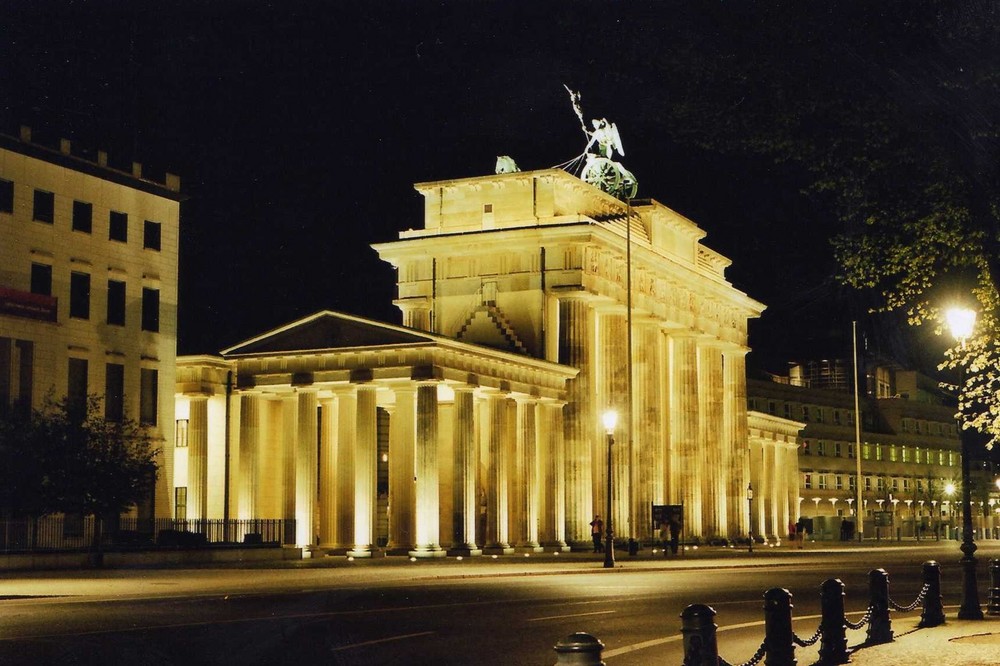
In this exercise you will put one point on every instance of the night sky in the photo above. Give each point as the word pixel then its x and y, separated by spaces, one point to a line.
pixel 298 131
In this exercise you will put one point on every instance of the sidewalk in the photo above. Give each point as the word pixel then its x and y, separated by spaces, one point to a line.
pixel 955 643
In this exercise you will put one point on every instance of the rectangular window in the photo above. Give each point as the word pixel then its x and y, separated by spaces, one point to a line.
pixel 940 457
pixel 916 455
pixel 906 485
pixel 868 483
pixel 820 415
pixel 76 386
pixel 878 452
pixel 951 459
pixel 808 482
pixel 866 451
pixel 83 216
pixel 806 448
pixel 850 418
pixel 821 448
pixel 150 309
pixel 906 454
pixel 6 196
pixel 44 208
pixel 892 453
pixel 772 407
pixel 895 485
pixel 881 483
pixel 852 482
pixel 151 235
pixel 920 485
pixel 805 412
pixel 836 416
pixel 114 392
pixel 181 433
pixel 148 380
pixel 41 279
pixel 116 303
pixel 118 226
pixel 837 450
pixel 180 503
pixel 822 481
pixel 79 295
pixel 788 411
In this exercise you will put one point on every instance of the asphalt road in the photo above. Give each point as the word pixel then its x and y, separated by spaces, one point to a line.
pixel 506 611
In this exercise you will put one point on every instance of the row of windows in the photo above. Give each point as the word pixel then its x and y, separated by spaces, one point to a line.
pixel 890 452
pixel 811 480
pixel 43 210
pixel 114 390
pixel 79 297
pixel 807 412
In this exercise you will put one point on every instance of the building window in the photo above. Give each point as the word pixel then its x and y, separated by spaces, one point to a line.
pixel 895 485
pixel 821 448
pixel 41 279
pixel 892 453
pixel 916 455
pixel 6 196
pixel 150 309
pixel 906 454
pixel 822 481
pixel 837 450
pixel 116 303
pixel 118 226
pixel 181 503
pixel 940 457
pixel 836 416
pixel 772 407
pixel 44 208
pixel 805 412
pixel 181 433
pixel 906 485
pixel 819 415
pixel 148 380
pixel 878 452
pixel 868 484
pixel 840 482
pixel 852 482
pixel 151 235
pixel 951 459
pixel 920 485
pixel 76 386
pixel 83 215
pixel 866 451
pixel 114 392
pixel 79 295
pixel 881 483
pixel 850 418
pixel 808 482
pixel 806 449
pixel 788 411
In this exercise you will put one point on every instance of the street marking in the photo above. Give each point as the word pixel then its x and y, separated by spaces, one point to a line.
pixel 381 640
pixel 559 617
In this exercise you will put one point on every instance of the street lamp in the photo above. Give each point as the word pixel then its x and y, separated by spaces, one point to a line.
pixel 961 322
pixel 610 419
pixel 750 502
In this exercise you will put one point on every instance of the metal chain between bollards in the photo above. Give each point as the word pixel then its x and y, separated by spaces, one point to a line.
pixel 919 600
pixel 753 661
pixel 806 643
pixel 865 619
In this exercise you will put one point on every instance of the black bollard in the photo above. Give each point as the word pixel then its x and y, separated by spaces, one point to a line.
pixel 994 605
pixel 698 628
pixel 579 649
pixel 833 626
pixel 933 612
pixel 779 647
pixel 879 626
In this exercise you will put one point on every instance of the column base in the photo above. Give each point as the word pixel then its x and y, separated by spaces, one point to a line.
pixel 582 546
pixel 359 552
pixel 399 550
pixel 529 548
pixel 558 546
pixel 427 552
pixel 464 551
pixel 498 549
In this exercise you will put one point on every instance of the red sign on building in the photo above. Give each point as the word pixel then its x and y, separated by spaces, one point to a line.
pixel 28 305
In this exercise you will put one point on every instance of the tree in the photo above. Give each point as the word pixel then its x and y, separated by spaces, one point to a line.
pixel 68 458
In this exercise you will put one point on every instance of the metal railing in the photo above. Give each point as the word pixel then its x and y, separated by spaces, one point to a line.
pixel 69 533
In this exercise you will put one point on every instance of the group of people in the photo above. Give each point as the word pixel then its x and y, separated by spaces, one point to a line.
pixel 669 535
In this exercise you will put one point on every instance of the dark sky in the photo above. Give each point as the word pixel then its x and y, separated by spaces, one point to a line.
pixel 298 131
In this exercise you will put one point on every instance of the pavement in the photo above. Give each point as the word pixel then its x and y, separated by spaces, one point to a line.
pixel 957 642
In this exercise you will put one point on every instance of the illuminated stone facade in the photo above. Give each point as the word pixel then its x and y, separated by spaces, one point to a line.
pixel 88 286
pixel 476 426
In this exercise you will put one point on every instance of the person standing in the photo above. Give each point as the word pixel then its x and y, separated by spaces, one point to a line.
pixel 596 529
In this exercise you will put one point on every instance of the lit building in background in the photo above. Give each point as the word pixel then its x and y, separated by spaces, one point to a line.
pixel 477 424
pixel 88 287
pixel 910 451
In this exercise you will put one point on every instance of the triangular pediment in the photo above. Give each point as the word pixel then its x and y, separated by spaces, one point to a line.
pixel 328 330
pixel 487 326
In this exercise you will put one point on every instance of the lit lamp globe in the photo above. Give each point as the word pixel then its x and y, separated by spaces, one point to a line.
pixel 610 420
pixel 960 321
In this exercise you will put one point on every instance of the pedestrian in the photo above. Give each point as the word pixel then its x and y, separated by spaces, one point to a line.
pixel 844 529
pixel 664 537
pixel 791 532
pixel 675 530
pixel 596 528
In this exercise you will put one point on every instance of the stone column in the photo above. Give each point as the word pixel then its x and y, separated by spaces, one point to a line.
pixel 402 502
pixel 328 475
pixel 464 502
pixel 553 478
pixel 198 458
pixel 771 488
pixel 249 470
pixel 366 429
pixel 684 431
pixel 305 468
pixel 735 435
pixel 346 446
pixel 527 449
pixel 289 432
pixel 494 415
pixel 648 440
pixel 577 324
pixel 787 457
pixel 710 435
pixel 612 393
pixel 426 472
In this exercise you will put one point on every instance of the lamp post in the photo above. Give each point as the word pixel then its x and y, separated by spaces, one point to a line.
pixel 610 419
pixel 750 503
pixel 961 322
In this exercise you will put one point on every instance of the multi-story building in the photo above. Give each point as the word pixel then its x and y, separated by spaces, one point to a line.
pixel 910 450
pixel 88 286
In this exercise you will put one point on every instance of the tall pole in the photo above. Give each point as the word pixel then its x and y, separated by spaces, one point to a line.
pixel 750 502
pixel 857 436
pixel 609 535
pixel 628 352
pixel 969 610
